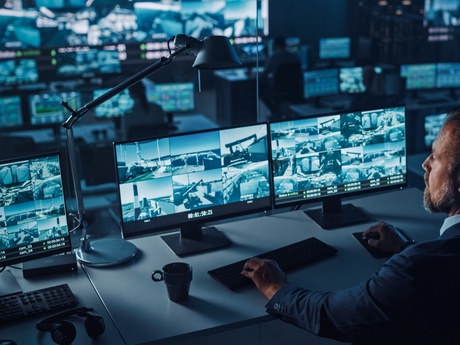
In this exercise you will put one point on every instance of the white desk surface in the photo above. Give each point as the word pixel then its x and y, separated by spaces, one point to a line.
pixel 24 331
pixel 143 313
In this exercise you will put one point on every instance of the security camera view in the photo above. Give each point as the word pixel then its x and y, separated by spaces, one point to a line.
pixel 338 154
pixel 18 72
pixel 351 80
pixel 32 208
pixel 433 124
pixel 194 175
pixel 52 23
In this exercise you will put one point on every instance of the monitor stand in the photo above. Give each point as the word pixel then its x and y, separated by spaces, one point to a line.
pixel 8 284
pixel 195 239
pixel 334 215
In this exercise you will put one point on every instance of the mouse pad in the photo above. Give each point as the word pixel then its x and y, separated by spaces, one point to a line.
pixel 375 252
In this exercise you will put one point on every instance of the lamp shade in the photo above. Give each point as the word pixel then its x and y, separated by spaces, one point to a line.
pixel 216 53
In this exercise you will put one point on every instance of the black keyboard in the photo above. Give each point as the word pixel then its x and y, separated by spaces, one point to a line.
pixel 288 257
pixel 24 304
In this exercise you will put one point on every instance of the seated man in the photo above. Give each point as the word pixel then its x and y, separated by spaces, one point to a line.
pixel 414 298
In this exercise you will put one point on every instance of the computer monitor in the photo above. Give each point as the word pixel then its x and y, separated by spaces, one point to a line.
pixel 323 82
pixel 46 108
pixel 329 157
pixel 117 106
pixel 184 180
pixel 18 72
pixel 432 126
pixel 33 221
pixel 448 75
pixel 335 48
pixel 172 97
pixel 10 112
pixel 87 62
pixel 419 76
pixel 351 80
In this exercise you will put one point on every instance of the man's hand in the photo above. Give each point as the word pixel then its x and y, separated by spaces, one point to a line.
pixel 266 275
pixel 389 240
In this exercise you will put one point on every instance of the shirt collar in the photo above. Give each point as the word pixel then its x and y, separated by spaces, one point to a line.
pixel 448 222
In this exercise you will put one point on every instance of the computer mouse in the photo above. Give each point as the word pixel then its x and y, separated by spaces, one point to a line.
pixel 371 235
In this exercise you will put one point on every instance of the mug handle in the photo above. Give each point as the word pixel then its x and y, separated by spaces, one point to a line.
pixel 156 279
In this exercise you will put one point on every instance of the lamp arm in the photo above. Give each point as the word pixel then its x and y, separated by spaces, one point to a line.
pixel 76 114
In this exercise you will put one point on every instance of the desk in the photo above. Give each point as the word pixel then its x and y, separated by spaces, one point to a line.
pixel 24 332
pixel 143 314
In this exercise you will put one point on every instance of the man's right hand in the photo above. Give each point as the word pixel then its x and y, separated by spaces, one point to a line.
pixel 266 275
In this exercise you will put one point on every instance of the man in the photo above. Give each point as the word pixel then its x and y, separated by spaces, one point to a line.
pixel 414 298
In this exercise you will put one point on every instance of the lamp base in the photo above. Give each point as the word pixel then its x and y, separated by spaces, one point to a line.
pixel 107 252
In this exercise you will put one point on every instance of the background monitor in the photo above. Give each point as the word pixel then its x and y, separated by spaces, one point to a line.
pixel 419 76
pixel 184 180
pixel 18 71
pixel 86 62
pixel 46 108
pixel 328 157
pixel 33 221
pixel 448 75
pixel 335 48
pixel 172 97
pixel 351 80
pixel 10 112
pixel 117 106
pixel 432 125
pixel 322 82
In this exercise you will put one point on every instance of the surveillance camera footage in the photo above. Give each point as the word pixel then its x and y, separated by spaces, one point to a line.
pixel 334 154
pixel 193 173
pixel 32 207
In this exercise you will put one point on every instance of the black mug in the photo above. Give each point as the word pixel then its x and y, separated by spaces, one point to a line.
pixel 177 277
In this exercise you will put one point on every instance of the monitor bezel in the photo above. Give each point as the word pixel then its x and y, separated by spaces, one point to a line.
pixel 68 241
pixel 333 201
pixel 238 209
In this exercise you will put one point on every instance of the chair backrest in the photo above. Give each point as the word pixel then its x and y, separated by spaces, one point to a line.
pixel 288 82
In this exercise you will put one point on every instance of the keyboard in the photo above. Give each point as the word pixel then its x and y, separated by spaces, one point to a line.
pixel 24 304
pixel 288 258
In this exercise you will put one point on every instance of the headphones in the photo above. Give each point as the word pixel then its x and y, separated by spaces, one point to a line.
pixel 63 332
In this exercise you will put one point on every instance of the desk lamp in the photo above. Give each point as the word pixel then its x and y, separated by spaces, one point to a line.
pixel 213 52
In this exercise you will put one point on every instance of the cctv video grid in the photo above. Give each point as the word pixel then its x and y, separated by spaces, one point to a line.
pixel 33 219
pixel 340 154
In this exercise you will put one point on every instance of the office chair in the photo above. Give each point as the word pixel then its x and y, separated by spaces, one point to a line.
pixel 286 89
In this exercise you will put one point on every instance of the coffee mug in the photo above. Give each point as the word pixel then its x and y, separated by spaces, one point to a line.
pixel 177 277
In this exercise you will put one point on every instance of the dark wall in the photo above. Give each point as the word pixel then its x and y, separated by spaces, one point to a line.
pixel 310 19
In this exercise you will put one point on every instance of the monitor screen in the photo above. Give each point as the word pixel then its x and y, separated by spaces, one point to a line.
pixel 441 13
pixel 448 75
pixel 419 76
pixel 33 221
pixel 46 108
pixel 322 82
pixel 86 62
pixel 117 106
pixel 172 97
pixel 327 157
pixel 432 125
pixel 10 112
pixel 335 48
pixel 351 80
pixel 18 71
pixel 184 180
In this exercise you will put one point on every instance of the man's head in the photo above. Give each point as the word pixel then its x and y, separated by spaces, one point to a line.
pixel 442 177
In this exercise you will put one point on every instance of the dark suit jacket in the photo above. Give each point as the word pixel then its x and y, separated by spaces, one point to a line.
pixel 413 299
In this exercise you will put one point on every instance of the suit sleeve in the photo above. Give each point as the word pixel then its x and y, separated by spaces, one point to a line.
pixel 351 314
